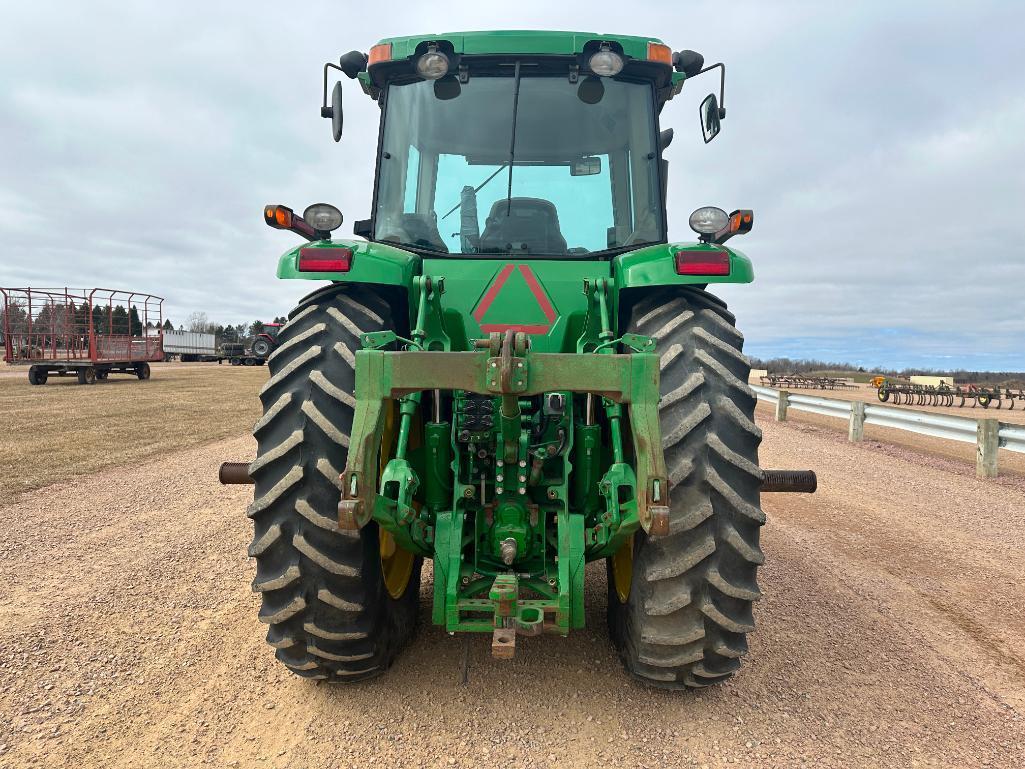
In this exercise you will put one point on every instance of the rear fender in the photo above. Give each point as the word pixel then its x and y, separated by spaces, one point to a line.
pixel 376 263
pixel 654 266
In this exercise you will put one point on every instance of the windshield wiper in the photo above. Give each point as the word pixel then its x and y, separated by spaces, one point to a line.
pixel 512 143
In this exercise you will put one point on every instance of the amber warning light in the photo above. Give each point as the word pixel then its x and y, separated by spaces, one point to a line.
pixel 284 218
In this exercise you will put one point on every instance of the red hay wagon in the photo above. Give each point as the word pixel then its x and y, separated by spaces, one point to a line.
pixel 84 332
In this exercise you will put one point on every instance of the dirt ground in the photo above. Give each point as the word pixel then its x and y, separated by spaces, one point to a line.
pixel 889 636
pixel 63 429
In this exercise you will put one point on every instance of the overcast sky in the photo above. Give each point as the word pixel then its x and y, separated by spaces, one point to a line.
pixel 880 144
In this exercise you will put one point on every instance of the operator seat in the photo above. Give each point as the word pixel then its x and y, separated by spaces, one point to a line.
pixel 528 224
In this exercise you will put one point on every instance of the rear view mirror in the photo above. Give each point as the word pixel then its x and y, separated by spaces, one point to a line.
pixel 585 167
pixel 336 111
pixel 447 88
pixel 591 90
pixel 709 114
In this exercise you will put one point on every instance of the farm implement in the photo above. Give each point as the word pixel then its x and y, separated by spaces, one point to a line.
pixel 801 382
pixel 513 373
pixel 944 395
pixel 86 333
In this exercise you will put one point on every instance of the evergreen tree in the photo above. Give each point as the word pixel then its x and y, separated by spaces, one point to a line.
pixel 82 319
pixel 101 324
pixel 119 320
pixel 134 322
pixel 168 326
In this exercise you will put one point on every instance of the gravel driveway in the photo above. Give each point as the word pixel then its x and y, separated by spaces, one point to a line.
pixel 890 635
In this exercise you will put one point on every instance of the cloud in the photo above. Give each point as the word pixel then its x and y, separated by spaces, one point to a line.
pixel 878 143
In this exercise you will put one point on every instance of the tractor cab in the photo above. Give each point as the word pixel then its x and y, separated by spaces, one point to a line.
pixel 539 144
pixel 553 154
pixel 510 163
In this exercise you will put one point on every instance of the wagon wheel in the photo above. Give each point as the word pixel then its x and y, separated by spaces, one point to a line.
pixel 142 371
pixel 36 376
pixel 87 375
pixel 261 348
pixel 102 374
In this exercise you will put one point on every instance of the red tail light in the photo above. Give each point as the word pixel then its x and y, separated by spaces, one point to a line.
pixel 325 259
pixel 702 263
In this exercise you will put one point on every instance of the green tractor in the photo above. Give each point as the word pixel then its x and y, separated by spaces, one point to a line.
pixel 512 373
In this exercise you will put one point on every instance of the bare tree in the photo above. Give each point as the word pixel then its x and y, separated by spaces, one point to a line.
pixel 197 321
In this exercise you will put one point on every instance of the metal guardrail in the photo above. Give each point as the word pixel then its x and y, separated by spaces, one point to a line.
pixel 815 404
pixel 1012 438
pixel 935 425
pixel 987 434
pixel 766 393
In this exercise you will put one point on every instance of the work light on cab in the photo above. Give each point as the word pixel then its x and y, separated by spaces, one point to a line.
pixel 708 220
pixel 605 62
pixel 433 64
pixel 323 217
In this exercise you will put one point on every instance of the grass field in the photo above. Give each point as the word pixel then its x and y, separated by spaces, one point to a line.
pixel 63 429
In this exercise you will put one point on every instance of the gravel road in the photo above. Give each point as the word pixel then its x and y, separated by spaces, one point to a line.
pixel 889 635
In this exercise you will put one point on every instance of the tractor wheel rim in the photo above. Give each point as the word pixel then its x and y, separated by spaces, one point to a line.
pixel 396 563
pixel 623 569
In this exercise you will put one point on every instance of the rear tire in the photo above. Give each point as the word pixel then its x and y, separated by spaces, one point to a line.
pixel 324 596
pixel 689 608
pixel 36 376
pixel 261 348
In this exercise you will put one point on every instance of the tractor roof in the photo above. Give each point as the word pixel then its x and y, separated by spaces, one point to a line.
pixel 514 41
pixel 396 54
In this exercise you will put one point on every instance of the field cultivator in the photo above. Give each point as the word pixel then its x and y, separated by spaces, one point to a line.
pixel 801 382
pixel 960 396
pixel 88 333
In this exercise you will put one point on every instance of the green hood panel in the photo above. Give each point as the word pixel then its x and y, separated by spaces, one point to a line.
pixel 542 297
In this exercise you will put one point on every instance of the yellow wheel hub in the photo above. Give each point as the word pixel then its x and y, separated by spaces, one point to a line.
pixel 623 569
pixel 396 563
